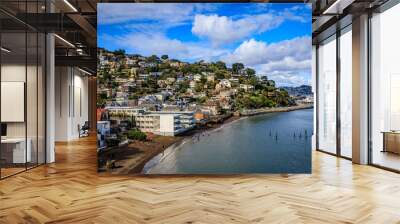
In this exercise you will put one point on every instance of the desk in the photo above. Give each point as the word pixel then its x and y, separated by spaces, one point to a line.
pixel 391 141
pixel 13 150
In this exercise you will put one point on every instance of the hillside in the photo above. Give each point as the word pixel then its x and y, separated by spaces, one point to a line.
pixel 161 82
pixel 303 90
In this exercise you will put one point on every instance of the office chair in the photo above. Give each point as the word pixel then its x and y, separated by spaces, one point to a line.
pixel 84 130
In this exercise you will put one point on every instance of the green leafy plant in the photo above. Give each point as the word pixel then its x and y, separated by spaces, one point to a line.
pixel 136 135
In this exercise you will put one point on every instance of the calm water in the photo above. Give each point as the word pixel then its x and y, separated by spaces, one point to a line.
pixel 259 144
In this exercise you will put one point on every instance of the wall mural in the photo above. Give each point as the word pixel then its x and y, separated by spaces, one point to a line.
pixel 194 88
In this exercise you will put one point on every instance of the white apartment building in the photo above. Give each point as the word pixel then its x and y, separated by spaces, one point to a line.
pixel 148 122
pixel 165 123
pixel 128 111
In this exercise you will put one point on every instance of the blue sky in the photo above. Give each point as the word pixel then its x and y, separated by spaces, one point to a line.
pixel 272 38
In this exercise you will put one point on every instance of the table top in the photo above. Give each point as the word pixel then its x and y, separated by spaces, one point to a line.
pixel 13 140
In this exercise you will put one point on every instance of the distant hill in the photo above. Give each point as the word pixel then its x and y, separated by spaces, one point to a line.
pixel 303 90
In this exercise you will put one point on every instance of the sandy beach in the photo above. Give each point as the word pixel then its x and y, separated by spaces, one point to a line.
pixel 132 158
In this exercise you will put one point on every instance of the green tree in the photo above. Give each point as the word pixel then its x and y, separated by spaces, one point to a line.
pixel 164 57
pixel 236 67
pixel 151 83
pixel 203 79
pixel 103 96
pixel 164 67
pixel 153 59
pixel 220 74
pixel 136 135
pixel 202 99
pixel 100 101
pixel 220 65
pixel 210 84
pixel 183 86
pixel 253 80
pixel 119 52
pixel 199 87
pixel 250 72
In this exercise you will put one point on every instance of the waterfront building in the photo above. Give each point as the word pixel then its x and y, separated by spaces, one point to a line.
pixel 127 111
pixel 211 108
pixel 199 116
pixel 166 123
pixel 147 122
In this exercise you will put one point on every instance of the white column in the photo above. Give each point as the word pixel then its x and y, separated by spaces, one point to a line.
pixel 62 103
pixel 360 90
pixel 314 89
pixel 50 101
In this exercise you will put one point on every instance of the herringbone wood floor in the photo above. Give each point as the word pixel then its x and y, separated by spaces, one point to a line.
pixel 70 191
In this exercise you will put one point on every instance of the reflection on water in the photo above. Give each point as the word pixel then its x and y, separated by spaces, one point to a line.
pixel 270 143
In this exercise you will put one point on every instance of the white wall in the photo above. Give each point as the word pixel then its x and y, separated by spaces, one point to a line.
pixel 314 89
pixel 33 126
pixel 62 81
pixel 12 73
pixel 71 102
pixel 166 123
pixel 346 75
pixel 327 96
pixel 81 104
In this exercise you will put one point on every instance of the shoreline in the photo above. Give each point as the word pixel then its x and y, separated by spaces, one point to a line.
pixel 136 155
pixel 140 153
pixel 275 109
pixel 180 140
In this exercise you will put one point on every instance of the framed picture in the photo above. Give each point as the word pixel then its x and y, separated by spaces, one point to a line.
pixel 196 88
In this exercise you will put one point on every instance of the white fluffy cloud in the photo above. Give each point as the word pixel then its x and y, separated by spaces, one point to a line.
pixel 289 78
pixel 252 52
pixel 222 29
pixel 114 13
pixel 158 44
pixel 288 71
pixel 288 62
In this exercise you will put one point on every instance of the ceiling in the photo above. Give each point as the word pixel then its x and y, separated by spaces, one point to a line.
pixel 330 15
pixel 75 22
